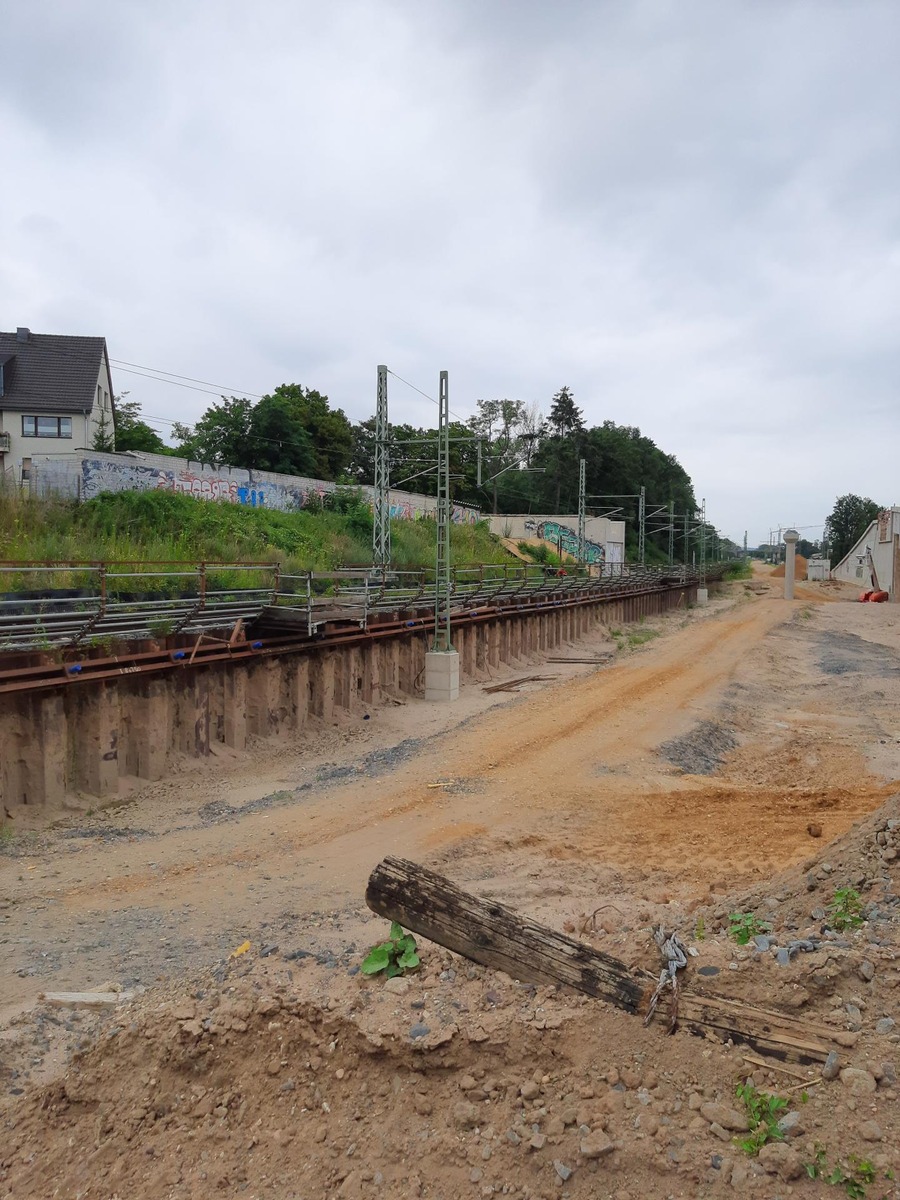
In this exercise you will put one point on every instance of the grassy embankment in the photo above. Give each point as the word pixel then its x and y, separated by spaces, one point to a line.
pixel 145 527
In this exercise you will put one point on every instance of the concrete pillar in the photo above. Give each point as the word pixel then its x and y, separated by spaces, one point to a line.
pixel 442 675
pixel 791 537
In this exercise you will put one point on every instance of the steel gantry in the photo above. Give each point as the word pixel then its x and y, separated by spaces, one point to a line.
pixel 381 530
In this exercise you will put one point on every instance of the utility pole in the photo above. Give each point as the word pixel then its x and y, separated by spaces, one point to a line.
pixel 442 562
pixel 703 543
pixel 581 510
pixel 381 530
pixel 642 531
pixel 687 538
pixel 671 533
pixel 745 545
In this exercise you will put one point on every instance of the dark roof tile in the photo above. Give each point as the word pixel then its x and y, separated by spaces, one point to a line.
pixel 53 373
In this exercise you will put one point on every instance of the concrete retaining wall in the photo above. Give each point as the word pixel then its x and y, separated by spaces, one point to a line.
pixel 94 739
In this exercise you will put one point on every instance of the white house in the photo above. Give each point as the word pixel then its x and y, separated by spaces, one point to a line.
pixel 55 393
pixel 879 547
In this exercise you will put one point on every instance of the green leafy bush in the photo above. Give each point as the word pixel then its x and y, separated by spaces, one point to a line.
pixel 744 926
pixel 395 956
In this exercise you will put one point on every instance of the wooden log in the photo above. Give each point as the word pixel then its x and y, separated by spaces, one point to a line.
pixel 489 933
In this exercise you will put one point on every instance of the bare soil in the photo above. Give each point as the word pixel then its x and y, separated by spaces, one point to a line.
pixel 746 759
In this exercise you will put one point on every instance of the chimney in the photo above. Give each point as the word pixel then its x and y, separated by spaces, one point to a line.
pixel 23 334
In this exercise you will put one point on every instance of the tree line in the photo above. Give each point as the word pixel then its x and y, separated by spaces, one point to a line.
pixel 529 463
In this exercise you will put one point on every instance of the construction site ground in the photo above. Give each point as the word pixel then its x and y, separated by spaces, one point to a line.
pixel 742 757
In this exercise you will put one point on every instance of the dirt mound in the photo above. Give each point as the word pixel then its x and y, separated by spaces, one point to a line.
pixel 800 566
pixel 288 1078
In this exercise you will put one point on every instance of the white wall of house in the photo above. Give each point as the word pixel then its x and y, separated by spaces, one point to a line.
pixel 16 462
pixel 878 539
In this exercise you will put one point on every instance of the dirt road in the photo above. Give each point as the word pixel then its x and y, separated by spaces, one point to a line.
pixel 609 770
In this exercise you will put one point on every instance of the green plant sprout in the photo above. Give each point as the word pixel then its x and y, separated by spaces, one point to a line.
pixel 845 909
pixel 743 926
pixel 764 1111
pixel 395 956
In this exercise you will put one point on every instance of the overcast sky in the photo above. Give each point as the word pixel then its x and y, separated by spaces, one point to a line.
pixel 687 211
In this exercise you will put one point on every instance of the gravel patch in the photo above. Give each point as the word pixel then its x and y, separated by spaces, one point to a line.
pixel 702 751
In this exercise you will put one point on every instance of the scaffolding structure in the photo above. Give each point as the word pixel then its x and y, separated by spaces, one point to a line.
pixel 381 528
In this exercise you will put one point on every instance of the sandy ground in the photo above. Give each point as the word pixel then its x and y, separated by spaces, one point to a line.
pixel 686 772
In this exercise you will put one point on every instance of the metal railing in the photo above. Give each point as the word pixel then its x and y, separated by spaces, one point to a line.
pixel 121 602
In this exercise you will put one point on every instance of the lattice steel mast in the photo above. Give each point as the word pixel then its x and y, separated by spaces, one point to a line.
pixel 442 561
pixel 381 532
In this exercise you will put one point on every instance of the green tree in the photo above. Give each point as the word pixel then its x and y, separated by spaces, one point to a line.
pixel 503 427
pixel 847 522
pixel 220 436
pixel 277 439
pixel 133 433
pixel 329 431
pixel 104 435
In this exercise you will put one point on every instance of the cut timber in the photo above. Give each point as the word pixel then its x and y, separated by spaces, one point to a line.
pixel 493 935
pixel 512 684
pixel 86 999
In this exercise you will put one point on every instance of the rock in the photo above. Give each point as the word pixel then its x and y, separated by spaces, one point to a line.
pixel 419 1031
pixel 398 984
pixel 866 971
pixel 814 829
pixel 847 1037
pixel 274 1066
pixel 889 854
pixel 782 956
pixel 717 1131
pixel 538 1142
pixel 762 942
pixel 475 1175
pixel 529 1090
pixel 777 1158
pixel 649 1124
pixel 739 1176
pixel 871 1131
pixel 464 1115
pixel 885 1025
pixel 790 1125
pixel 854 1016
pixel 596 1145
pixel 562 1170
pixel 467 1083
pixel 859 1083
pixel 728 1118
pixel 555 1127
pixel 832 1067
pixel 888 1074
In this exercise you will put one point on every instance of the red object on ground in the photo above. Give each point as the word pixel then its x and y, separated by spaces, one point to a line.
pixel 879 597
pixel 864 596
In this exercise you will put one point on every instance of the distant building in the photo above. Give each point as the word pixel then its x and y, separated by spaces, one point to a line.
pixel 55 394
pixel 874 562
pixel 818 569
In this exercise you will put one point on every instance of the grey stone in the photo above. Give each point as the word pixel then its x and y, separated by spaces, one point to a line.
pixel 859 1083
pixel 596 1145
pixel 777 1158
pixel 866 971
pixel 708 971
pixel 783 957
pixel 529 1090
pixel 728 1118
pixel 854 1016
pixel 885 1025
pixel 562 1170
pixel 717 1131
pixel 419 1031
pixel 832 1067
pixel 475 1175
pixel 538 1141
pixel 762 942
pixel 871 1131
pixel 512 1137
pixel 789 1126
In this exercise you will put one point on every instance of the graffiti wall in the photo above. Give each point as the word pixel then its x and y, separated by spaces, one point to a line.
pixel 86 476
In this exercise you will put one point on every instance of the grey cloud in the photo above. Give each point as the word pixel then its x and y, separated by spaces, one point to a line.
pixel 689 213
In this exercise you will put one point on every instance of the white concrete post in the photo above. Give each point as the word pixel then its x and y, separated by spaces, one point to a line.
pixel 791 537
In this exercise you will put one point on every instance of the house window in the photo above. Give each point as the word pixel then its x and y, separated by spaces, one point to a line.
pixel 47 427
pixel 99 394
pixel 26 470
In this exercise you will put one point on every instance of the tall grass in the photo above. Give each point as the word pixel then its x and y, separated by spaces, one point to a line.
pixel 148 527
